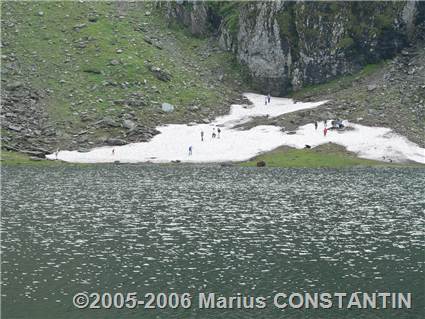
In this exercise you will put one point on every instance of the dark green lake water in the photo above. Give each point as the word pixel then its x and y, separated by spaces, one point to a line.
pixel 139 228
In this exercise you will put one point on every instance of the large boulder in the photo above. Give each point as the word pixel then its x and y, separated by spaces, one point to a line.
pixel 107 121
pixel 160 74
pixel 166 107
pixel 261 164
pixel 128 124
pixel 115 142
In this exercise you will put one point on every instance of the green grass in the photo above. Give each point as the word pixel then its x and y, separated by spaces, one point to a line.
pixel 9 158
pixel 337 84
pixel 15 158
pixel 329 156
pixel 47 53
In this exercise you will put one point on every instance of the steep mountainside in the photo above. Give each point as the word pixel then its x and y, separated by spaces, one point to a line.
pixel 82 74
pixel 288 45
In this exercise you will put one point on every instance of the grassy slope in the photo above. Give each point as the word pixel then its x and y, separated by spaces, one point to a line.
pixel 328 155
pixel 15 158
pixel 337 84
pixel 46 48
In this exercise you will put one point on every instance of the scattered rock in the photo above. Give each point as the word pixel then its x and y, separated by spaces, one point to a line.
pixel 119 102
pixel 160 74
pixel 193 108
pixel 93 18
pixel 114 62
pixel 78 27
pixel 128 124
pixel 166 107
pixel 148 40
pixel 261 164
pixel 14 86
pixel 371 87
pixel 110 122
pixel 92 70
pixel 226 164
pixel 115 142
pixel 15 128
pixel 33 153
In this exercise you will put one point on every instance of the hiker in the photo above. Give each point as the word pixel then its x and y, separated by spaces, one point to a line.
pixel 268 98
pixel 265 100
pixel 325 130
pixel 218 132
pixel 56 153
pixel 190 150
pixel 325 122
pixel 113 151
pixel 213 133
pixel 315 125
pixel 202 136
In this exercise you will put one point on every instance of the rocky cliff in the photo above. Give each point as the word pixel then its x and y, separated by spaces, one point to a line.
pixel 289 45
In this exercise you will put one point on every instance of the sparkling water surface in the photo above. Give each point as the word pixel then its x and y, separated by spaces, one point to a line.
pixel 146 228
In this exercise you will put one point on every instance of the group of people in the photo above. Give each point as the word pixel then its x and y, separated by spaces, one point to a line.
pixel 325 126
pixel 214 134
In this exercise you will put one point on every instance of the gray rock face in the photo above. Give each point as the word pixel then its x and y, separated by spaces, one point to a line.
pixel 196 19
pixel 287 45
pixel 290 45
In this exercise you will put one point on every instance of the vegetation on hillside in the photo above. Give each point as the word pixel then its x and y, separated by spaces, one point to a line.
pixel 109 59
pixel 327 155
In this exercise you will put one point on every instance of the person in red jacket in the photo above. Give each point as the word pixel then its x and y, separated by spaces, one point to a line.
pixel 325 130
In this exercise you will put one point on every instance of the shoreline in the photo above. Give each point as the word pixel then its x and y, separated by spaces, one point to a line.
pixel 349 160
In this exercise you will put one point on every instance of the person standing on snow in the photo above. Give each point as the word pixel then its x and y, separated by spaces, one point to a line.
pixel 213 133
pixel 265 100
pixel 218 132
pixel 202 136
pixel 315 125
pixel 190 150
pixel 268 98
pixel 325 131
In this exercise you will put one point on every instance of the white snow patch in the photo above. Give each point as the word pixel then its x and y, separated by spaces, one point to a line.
pixel 237 145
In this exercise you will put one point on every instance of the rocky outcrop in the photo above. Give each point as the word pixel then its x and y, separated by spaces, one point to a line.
pixel 196 18
pixel 288 45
